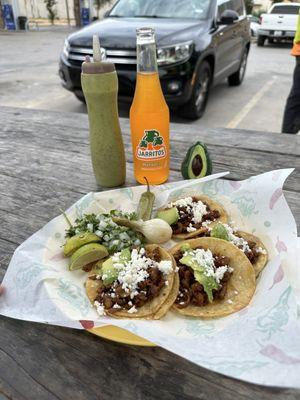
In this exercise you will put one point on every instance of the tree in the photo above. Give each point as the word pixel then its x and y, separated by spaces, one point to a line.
pixel 99 4
pixel 249 6
pixel 50 4
pixel 76 4
pixel 1 18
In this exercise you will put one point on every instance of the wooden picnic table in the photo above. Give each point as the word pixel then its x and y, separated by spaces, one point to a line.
pixel 45 165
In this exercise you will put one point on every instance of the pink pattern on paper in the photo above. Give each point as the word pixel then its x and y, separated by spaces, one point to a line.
pixel 58 257
pixel 280 245
pixel 278 355
pixel 278 276
pixel 275 197
pixel 235 184
pixel 276 175
pixel 86 324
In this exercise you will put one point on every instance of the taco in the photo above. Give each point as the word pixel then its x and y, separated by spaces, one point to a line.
pixel 251 245
pixel 138 283
pixel 190 215
pixel 216 279
pixel 257 253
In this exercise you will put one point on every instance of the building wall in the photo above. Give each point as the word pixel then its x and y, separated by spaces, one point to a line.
pixel 262 4
pixel 37 8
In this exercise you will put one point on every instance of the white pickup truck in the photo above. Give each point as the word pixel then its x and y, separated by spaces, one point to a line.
pixel 279 23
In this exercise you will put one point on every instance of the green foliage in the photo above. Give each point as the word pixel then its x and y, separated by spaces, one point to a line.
pixel 258 13
pixel 50 4
pixel 249 6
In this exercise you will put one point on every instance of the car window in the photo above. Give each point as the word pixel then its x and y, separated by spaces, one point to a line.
pixel 195 9
pixel 285 10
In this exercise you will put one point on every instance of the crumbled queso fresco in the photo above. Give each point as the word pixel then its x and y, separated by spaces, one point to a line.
pixel 240 242
pixel 237 241
pixel 131 273
pixel 206 260
pixel 260 250
pixel 197 209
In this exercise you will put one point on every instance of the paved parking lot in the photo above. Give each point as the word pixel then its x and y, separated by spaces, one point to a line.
pixel 28 78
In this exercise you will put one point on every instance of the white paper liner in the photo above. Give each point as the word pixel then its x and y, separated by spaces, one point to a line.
pixel 259 344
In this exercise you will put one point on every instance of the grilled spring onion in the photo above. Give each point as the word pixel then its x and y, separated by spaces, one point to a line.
pixel 154 230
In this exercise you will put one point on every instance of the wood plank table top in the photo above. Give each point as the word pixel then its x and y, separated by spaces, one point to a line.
pixel 45 165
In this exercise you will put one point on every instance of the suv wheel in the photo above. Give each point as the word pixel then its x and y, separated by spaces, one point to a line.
pixel 195 107
pixel 260 40
pixel 237 78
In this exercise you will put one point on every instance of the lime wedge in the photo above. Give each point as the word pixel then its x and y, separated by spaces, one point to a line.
pixel 86 254
pixel 75 242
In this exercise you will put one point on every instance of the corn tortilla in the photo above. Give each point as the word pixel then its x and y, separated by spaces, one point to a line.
pixel 154 309
pixel 241 285
pixel 262 259
pixel 213 205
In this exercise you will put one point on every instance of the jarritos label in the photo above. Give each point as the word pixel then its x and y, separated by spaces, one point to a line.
pixel 151 146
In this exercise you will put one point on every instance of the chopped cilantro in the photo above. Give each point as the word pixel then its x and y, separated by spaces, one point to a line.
pixel 113 237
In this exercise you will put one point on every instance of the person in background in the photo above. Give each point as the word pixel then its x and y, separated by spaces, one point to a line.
pixel 291 118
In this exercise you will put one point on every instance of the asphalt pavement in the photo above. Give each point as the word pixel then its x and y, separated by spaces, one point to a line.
pixel 29 78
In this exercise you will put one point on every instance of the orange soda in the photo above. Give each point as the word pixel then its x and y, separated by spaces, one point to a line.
pixel 149 116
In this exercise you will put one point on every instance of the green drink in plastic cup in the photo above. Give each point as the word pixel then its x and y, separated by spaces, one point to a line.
pixel 100 87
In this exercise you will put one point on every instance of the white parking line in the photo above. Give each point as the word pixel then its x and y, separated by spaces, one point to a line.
pixel 237 119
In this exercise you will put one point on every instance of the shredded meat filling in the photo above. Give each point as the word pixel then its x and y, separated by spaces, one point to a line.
pixel 88 267
pixel 191 291
pixel 114 297
pixel 253 253
pixel 185 219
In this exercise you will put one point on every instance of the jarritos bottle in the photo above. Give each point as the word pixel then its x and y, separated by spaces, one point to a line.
pixel 149 116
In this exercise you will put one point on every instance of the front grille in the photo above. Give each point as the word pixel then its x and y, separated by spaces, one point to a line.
pixel 121 56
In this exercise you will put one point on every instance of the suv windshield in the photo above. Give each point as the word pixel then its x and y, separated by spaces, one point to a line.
pixel 195 9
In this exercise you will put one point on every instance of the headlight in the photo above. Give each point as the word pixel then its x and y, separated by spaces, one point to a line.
pixel 66 48
pixel 173 54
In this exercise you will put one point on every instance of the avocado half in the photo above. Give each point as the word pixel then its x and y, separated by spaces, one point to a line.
pixel 197 162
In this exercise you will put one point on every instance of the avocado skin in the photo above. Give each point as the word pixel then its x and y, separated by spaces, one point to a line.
pixel 189 159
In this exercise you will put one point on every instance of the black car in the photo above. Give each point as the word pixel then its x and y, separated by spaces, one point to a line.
pixel 199 42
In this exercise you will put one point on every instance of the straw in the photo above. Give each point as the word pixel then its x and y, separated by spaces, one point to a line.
pixel 96 49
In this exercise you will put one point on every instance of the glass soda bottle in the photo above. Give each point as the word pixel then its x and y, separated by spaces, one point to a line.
pixel 149 116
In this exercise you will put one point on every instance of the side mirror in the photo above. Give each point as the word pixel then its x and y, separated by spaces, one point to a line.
pixel 228 17
pixel 106 14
